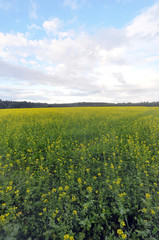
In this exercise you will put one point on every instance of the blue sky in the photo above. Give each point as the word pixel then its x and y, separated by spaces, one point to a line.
pixel 79 50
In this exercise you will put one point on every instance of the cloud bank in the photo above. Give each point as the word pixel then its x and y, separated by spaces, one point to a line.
pixel 112 65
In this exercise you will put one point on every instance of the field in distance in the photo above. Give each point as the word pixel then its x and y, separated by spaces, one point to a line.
pixel 79 173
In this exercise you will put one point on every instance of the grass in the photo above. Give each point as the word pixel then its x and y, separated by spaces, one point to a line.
pixel 79 173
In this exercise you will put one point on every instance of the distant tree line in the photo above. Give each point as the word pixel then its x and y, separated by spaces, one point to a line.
pixel 25 104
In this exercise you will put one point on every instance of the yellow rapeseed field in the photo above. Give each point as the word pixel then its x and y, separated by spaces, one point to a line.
pixel 79 173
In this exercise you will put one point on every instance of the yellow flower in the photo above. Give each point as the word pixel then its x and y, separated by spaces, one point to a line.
pixel 40 214
pixel 120 231
pixel 89 189
pixel 152 211
pixel 18 214
pixel 9 189
pixel 79 180
pixel 66 237
pixel 144 210
pixel 74 198
pixel 2 217
pixel 71 238
pixel 123 223
pixel 118 181
pixel 124 236
pixel 148 196
pixel 74 212
pixel 44 209
pixel 43 195
pixel 66 188
pixel 53 190
pixel 122 194
pixel 112 166
pixel 60 188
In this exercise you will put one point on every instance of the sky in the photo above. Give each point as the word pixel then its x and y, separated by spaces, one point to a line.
pixel 63 51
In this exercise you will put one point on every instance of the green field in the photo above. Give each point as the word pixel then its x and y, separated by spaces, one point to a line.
pixel 79 173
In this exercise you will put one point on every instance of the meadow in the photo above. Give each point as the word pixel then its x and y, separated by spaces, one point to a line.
pixel 79 173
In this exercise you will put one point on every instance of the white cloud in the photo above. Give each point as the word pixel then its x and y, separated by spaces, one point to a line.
pixel 24 74
pixel 75 4
pixel 146 25
pixel 34 26
pixel 52 26
pixel 111 65
pixel 33 9
pixel 143 36
pixel 71 3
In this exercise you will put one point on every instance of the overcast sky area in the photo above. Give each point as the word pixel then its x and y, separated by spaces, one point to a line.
pixel 62 51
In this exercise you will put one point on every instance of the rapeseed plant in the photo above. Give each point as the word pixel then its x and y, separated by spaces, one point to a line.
pixel 79 173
